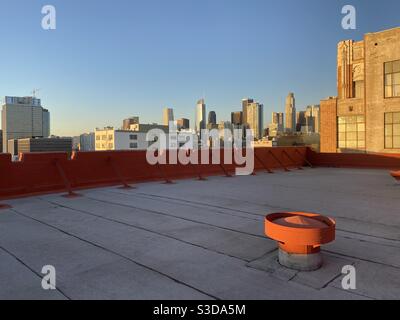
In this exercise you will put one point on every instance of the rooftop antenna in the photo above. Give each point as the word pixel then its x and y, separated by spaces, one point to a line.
pixel 34 92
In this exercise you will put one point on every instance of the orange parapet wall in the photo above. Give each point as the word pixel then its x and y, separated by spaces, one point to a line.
pixel 354 160
pixel 40 173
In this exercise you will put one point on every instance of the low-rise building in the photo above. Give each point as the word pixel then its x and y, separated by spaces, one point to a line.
pixel 16 146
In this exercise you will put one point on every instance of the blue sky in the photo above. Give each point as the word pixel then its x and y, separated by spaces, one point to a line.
pixel 109 60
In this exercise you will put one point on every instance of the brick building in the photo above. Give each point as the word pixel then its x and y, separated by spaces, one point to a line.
pixel 365 116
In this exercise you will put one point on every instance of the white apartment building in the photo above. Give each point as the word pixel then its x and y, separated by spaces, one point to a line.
pixel 24 117
pixel 110 139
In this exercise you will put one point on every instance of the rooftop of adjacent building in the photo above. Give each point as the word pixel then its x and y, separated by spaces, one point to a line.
pixel 202 240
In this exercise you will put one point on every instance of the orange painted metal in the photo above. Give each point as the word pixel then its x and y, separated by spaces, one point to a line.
pixel 300 232
pixel 389 161
pixel 396 175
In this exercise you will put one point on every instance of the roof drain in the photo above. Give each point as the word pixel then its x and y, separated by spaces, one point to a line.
pixel 300 236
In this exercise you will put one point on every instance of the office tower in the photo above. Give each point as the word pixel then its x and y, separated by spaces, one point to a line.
pixel 212 118
pixel 316 111
pixel 312 119
pixel 237 118
pixel 183 124
pixel 290 111
pixel 301 120
pixel 87 142
pixel 255 119
pixel 278 121
pixel 200 116
pixel 128 122
pixel 245 103
pixel 24 117
pixel 168 116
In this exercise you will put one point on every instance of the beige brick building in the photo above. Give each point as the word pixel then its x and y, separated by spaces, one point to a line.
pixel 365 116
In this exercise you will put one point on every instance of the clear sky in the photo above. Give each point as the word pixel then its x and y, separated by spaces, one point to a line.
pixel 108 60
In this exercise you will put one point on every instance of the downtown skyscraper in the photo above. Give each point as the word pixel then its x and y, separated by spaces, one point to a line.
pixel 168 116
pixel 200 116
pixel 290 113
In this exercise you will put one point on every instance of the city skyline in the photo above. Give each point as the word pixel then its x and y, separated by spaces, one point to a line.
pixel 173 66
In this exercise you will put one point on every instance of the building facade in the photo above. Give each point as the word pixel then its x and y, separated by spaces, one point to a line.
pixel 237 118
pixel 312 119
pixel 255 119
pixel 290 112
pixel 128 122
pixel 200 122
pixel 168 116
pixel 212 118
pixel 44 145
pixel 87 142
pixel 183 124
pixel 24 117
pixel 245 103
pixel 365 115
pixel 109 139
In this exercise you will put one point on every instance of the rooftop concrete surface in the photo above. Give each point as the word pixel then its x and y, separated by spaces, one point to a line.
pixel 202 239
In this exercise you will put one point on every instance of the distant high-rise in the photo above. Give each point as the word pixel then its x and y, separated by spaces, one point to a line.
pixel 200 116
pixel 128 122
pixel 290 111
pixel 300 120
pixel 87 142
pixel 245 103
pixel 237 118
pixel 278 120
pixel 255 119
pixel 168 116
pixel 212 118
pixel 24 117
pixel 312 119
pixel 183 124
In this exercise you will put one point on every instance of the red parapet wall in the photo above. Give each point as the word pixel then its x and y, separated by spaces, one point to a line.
pixel 354 160
pixel 41 173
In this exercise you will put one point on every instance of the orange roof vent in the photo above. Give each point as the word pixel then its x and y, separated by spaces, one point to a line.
pixel 300 236
pixel 396 175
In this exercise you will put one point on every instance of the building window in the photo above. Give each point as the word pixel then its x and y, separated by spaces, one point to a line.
pixel 97 138
pixel 392 79
pixel 133 145
pixel 351 132
pixel 358 89
pixel 392 130
pixel 133 137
